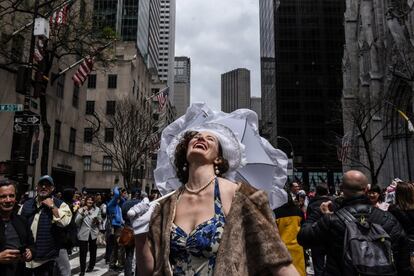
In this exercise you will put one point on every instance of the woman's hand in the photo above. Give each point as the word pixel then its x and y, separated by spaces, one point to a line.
pixel 141 224
pixel 138 209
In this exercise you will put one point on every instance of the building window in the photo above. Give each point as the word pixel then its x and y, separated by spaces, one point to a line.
pixel 60 86
pixel 87 160
pixel 17 47
pixel 109 135
pixel 90 107
pixel 72 140
pixel 56 141
pixel 92 81
pixel 110 108
pixel 75 98
pixel 112 79
pixel 87 135
pixel 107 164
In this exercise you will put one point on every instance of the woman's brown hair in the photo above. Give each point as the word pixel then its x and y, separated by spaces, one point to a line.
pixel 180 160
pixel 404 195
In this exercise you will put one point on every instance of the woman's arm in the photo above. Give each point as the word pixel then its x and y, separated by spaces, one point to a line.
pixel 144 258
pixel 285 270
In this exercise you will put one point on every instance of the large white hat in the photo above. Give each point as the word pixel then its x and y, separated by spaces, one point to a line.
pixel 233 150
pixel 265 169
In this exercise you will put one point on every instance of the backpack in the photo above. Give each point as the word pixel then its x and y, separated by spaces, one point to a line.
pixel 367 247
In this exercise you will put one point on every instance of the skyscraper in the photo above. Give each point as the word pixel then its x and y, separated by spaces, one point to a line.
pixel 120 16
pixel 256 106
pixel 267 69
pixel 134 20
pixel 309 41
pixel 148 37
pixel 167 44
pixel 235 90
pixel 182 84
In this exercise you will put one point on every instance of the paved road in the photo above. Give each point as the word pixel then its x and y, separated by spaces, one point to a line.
pixel 100 268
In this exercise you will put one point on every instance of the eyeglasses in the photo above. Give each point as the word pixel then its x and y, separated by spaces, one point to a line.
pixel 44 183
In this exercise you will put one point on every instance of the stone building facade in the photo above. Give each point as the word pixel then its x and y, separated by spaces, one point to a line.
pixel 128 78
pixel 378 75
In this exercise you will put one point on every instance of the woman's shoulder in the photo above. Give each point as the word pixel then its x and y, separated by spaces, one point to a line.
pixel 243 189
pixel 227 186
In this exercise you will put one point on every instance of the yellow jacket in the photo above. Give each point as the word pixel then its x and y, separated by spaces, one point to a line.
pixel 288 220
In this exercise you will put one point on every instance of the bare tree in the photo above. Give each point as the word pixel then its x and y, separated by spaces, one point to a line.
pixel 131 137
pixel 71 40
pixel 374 122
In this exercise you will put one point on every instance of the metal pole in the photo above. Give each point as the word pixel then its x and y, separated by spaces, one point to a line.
pixel 47 14
pixel 31 55
pixel 21 146
pixel 292 153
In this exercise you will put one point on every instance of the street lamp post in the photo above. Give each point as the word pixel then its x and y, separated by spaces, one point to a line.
pixel 292 153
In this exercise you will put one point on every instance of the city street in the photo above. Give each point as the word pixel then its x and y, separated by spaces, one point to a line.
pixel 100 268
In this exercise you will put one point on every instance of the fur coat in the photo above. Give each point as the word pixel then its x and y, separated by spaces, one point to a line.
pixel 250 243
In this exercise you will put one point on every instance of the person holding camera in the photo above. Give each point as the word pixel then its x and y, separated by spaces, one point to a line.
pixel 16 238
pixel 88 219
pixel 47 216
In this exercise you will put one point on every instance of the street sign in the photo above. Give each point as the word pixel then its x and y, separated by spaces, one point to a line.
pixel 11 107
pixel 18 128
pixel 27 119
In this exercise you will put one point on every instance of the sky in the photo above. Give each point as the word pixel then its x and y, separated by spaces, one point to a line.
pixel 218 36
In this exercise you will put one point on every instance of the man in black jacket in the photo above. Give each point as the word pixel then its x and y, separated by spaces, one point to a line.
pixel 313 213
pixel 329 230
pixel 16 238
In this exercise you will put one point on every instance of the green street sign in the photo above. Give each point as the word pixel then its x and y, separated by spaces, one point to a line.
pixel 11 107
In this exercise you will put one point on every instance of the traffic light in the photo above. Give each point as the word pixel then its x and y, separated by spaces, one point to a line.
pixel 23 77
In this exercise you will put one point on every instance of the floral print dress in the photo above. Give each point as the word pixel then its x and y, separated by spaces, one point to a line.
pixel 195 253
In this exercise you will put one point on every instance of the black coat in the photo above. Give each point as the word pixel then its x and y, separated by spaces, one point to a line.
pixel 24 232
pixel 329 231
pixel 406 219
pixel 313 212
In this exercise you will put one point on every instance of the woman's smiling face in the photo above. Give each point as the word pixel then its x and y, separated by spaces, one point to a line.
pixel 204 144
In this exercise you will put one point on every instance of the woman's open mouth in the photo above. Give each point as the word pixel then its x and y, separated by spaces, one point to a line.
pixel 200 146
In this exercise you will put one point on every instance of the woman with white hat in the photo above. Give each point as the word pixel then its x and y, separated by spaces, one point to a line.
pixel 210 225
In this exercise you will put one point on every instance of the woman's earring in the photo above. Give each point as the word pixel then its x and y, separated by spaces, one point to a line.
pixel 216 170
pixel 185 167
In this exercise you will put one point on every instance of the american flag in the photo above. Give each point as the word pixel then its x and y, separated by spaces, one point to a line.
pixel 83 71
pixel 59 17
pixel 344 148
pixel 162 97
pixel 154 142
pixel 39 50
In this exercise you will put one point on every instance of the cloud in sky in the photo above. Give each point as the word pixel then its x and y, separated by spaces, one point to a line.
pixel 218 36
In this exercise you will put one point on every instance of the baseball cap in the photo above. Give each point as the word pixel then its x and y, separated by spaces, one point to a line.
pixel 46 178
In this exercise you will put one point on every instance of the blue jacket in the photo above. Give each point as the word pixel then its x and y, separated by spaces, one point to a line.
pixel 114 209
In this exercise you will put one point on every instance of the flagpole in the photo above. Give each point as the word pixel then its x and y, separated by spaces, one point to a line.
pixel 47 14
pixel 156 94
pixel 55 76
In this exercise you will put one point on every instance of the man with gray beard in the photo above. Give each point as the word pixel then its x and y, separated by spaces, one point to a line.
pixel 47 216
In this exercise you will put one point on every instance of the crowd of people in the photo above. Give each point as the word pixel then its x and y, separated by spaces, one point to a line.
pixel 38 235
pixel 316 229
pixel 211 225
